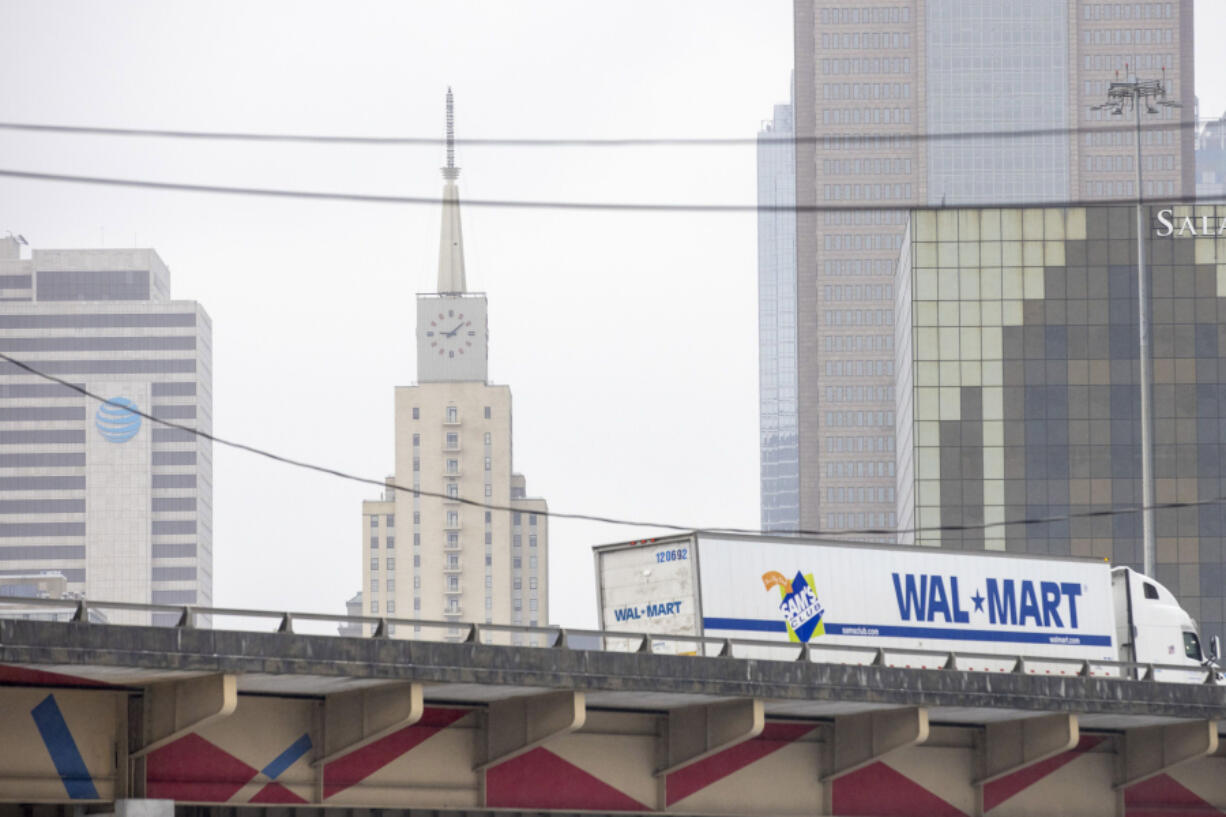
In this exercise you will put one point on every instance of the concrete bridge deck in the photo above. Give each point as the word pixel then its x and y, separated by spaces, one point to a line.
pixel 96 713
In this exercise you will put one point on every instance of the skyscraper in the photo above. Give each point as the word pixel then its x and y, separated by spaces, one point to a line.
pixel 1018 356
pixel 881 87
pixel 122 507
pixel 442 559
pixel 777 323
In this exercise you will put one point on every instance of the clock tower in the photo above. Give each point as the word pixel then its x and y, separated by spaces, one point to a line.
pixel 452 332
pixel 455 537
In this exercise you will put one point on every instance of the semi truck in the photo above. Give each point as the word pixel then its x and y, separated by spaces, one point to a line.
pixel 900 605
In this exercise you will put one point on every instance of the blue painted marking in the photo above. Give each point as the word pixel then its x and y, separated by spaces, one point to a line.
pixel 757 625
pixel 287 758
pixel 63 750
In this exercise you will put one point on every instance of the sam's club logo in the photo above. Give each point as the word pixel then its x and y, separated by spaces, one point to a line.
pixel 117 420
pixel 798 603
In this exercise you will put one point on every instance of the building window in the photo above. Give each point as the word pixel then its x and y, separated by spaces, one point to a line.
pixel 374 521
pixel 389 520
pixel 453 466
pixel 531 519
pixel 416 517
pixel 391 605
pixel 453 561
pixel 489 538
pixel 391 585
pixel 532 582
pixel 489 603
pixel 487 412
pixel 417 608
pixel 531 540
pixel 487 463
pixel 489 489
pixel 517 583
pixel 416 413
pixel 489 517
pixel 374 605
pixel 453 584
pixel 416 464
pixel 516 518
pixel 453 490
pixel 489 582
pixel 391 562
pixel 453 414
pixel 517 563
pixel 453 540
pixel 374 562
pixel 417 540
pixel 489 560
pixel 488 438
pixel 416 561
pixel 453 519
pixel 417 582
pixel 416 439
pixel 517 540
pixel 532 605
pixel 517 604
pixel 374 543
pixel 532 562
pixel 453 439
pixel 391 542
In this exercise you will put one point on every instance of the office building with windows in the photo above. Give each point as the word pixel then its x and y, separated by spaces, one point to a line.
pixel 910 103
pixel 117 504
pixel 441 555
pixel 777 323
pixel 1211 160
pixel 1018 358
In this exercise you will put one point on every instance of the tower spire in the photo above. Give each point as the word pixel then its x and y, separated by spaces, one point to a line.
pixel 450 171
pixel 451 239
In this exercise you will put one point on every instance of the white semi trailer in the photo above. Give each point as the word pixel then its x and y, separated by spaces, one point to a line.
pixel 918 606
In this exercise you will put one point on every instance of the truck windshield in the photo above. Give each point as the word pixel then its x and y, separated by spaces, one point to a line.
pixel 1191 646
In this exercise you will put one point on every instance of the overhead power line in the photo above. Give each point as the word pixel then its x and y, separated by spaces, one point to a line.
pixel 548 142
pixel 371 198
pixel 585 517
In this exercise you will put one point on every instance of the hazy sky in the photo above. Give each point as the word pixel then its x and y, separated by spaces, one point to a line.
pixel 628 340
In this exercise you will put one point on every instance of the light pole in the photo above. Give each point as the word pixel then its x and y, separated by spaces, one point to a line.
pixel 1132 95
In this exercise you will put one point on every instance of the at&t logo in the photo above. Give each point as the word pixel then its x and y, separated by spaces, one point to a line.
pixel 117 420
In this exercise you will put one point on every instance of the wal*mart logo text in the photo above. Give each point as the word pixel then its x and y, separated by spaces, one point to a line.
pixel 798 603
pixel 116 420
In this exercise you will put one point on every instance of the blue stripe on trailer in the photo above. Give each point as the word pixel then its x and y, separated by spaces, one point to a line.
pixel 758 625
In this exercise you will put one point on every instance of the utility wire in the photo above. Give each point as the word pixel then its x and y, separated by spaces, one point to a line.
pixel 234 136
pixel 584 517
pixel 370 198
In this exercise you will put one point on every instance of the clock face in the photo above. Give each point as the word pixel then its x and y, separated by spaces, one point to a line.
pixel 450 334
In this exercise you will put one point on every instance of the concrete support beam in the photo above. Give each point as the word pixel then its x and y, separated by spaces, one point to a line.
pixel 176 708
pixel 696 732
pixel 353 719
pixel 1010 746
pixel 861 739
pixel 1152 750
pixel 144 808
pixel 518 725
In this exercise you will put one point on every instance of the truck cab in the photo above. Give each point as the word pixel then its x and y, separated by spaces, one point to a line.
pixel 1152 628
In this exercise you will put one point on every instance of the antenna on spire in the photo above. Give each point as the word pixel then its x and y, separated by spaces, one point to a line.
pixel 450 172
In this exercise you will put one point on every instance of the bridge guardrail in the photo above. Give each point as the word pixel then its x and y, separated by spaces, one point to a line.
pixel 190 616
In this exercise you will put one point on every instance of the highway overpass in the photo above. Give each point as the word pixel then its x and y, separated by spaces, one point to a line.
pixel 222 721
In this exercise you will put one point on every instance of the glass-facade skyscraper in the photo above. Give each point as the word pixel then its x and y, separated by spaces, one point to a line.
pixel 1018 354
pixel 873 80
pixel 777 323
